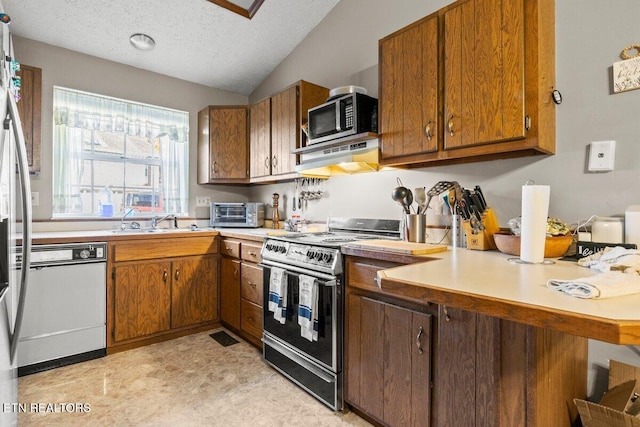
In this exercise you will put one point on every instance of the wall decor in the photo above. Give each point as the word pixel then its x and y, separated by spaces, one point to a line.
pixel 626 73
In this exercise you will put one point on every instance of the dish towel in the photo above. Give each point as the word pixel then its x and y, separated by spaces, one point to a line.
pixel 308 307
pixel 604 285
pixel 278 294
pixel 613 259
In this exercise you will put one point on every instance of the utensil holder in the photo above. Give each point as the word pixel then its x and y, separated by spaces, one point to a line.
pixel 482 240
pixel 415 228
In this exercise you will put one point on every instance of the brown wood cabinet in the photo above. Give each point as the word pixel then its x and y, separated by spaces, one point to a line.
pixel 389 362
pixel 496 73
pixel 241 288
pixel 223 145
pixel 276 130
pixel 160 288
pixel 482 370
pixel 409 70
pixel 30 107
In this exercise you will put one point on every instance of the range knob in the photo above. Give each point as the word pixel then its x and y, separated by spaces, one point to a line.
pixel 282 249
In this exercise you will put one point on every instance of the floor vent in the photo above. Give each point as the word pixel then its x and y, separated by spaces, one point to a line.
pixel 223 338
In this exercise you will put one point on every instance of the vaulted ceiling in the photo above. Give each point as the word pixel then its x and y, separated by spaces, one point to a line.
pixel 195 40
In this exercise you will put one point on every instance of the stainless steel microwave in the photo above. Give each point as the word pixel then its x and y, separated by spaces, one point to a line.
pixel 237 215
pixel 346 115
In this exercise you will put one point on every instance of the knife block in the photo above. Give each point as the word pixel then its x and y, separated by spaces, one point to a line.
pixel 482 240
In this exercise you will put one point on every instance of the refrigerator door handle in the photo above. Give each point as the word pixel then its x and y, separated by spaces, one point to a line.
pixel 25 189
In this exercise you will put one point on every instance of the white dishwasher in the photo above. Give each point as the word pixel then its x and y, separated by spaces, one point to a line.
pixel 65 306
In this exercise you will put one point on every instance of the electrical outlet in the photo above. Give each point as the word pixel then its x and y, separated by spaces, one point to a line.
pixel 601 156
pixel 203 201
pixel 35 198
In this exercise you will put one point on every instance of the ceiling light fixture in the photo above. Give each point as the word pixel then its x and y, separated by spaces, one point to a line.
pixel 142 41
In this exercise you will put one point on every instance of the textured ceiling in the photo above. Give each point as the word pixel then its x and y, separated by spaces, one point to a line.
pixel 196 40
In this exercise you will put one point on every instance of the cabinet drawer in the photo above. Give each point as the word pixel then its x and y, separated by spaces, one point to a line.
pixel 251 318
pixel 251 252
pixel 363 274
pixel 230 248
pixel 251 283
pixel 132 250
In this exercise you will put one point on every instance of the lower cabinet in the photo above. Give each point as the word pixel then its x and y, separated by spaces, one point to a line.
pixel 151 297
pixel 388 361
pixel 241 288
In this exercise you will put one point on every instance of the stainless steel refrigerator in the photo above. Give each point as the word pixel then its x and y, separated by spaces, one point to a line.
pixel 15 217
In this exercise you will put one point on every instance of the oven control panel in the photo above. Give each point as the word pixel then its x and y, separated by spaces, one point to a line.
pixel 308 256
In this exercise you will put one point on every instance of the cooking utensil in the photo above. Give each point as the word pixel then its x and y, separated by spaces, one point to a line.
pixel 481 197
pixel 408 201
pixel 295 193
pixel 439 187
pixel 398 195
pixel 420 196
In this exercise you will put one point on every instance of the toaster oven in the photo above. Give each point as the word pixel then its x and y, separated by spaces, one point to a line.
pixel 237 215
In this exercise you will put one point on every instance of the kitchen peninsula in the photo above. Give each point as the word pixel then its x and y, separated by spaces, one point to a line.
pixel 516 350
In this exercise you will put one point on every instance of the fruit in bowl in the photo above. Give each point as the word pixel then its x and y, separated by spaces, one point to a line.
pixel 554 246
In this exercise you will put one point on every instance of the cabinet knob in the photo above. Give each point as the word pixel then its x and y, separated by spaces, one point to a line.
pixel 266 162
pixel 427 131
pixel 418 341
pixel 450 125
pixel 275 162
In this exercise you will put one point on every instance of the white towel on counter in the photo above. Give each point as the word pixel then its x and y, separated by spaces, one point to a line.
pixel 613 259
pixel 604 285
pixel 308 307
pixel 278 294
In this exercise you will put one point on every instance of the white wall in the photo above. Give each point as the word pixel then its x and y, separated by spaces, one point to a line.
pixel 590 34
pixel 74 70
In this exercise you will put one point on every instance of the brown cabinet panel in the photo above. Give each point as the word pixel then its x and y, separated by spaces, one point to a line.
pixel 260 139
pixel 131 250
pixel 194 294
pixel 251 283
pixel 29 108
pixel 230 292
pixel 251 322
pixel 230 248
pixel 251 252
pixel 142 299
pixel 223 145
pixel 371 357
pixel 284 130
pixel 409 90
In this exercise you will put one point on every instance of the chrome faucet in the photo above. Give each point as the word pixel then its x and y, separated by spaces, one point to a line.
pixel 134 225
pixel 158 219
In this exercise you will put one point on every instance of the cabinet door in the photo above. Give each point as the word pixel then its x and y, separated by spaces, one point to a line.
pixel 230 291
pixel 455 373
pixel 409 90
pixel 194 294
pixel 29 107
pixel 142 299
pixel 388 362
pixel 285 128
pixel 251 283
pixel 260 139
pixel 484 72
pixel 228 142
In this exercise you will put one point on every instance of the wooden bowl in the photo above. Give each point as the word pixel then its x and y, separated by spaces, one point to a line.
pixel 555 246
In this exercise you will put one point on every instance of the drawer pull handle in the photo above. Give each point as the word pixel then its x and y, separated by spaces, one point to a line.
pixel 227 248
pixel 450 125
pixel 427 131
pixel 418 342
pixel 253 253
pixel 164 276
pixel 235 272
pixel 177 275
pixel 253 285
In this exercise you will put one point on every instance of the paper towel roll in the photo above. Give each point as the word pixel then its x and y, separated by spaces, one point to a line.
pixel 533 227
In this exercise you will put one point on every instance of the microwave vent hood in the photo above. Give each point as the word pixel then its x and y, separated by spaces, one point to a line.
pixel 338 158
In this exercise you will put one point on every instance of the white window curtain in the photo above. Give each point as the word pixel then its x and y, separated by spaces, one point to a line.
pixel 75 110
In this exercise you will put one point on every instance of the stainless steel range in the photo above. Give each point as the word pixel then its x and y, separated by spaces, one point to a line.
pixel 296 266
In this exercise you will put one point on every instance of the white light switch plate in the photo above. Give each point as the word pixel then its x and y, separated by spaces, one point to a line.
pixel 203 201
pixel 601 156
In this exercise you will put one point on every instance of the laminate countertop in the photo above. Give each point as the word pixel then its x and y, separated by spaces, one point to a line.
pixel 487 282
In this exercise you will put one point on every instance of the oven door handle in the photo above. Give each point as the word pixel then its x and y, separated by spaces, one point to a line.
pixel 267 340
pixel 328 280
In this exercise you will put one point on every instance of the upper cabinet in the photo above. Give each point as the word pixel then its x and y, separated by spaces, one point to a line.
pixel 29 108
pixel 223 155
pixel 276 130
pixel 495 73
pixel 409 90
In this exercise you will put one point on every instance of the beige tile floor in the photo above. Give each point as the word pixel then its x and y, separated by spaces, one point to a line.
pixel 189 381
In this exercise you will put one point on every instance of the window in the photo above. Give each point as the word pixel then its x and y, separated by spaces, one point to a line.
pixel 110 155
